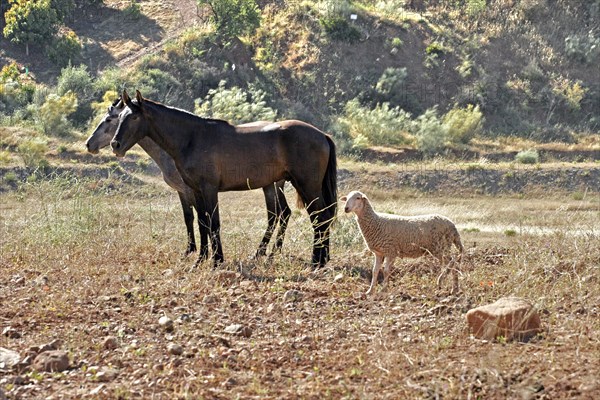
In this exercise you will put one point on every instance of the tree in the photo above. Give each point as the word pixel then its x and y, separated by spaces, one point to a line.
pixel 233 18
pixel 30 21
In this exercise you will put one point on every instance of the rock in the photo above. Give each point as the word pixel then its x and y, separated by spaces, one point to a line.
pixel 11 333
pixel 53 345
pixel 292 296
pixel 510 317
pixel 97 390
pixel 110 343
pixel 107 375
pixel 338 278
pixel 8 358
pixel 166 323
pixel 51 361
pixel 239 330
pixel 175 349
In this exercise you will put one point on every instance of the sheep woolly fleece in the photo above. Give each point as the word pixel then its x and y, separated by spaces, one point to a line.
pixel 390 236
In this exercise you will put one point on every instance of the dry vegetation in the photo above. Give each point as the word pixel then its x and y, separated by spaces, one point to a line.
pixel 84 259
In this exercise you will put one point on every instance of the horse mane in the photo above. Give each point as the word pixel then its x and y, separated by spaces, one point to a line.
pixel 187 114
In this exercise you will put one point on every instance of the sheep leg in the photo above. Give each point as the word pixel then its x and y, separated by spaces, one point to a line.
pixel 387 268
pixel 376 267
pixel 444 272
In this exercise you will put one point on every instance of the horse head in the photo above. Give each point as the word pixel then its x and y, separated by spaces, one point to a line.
pixel 132 124
pixel 106 129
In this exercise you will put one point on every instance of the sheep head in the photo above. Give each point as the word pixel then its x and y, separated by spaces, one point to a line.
pixel 355 202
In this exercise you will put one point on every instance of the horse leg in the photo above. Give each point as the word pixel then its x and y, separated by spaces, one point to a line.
pixel 208 196
pixel 203 227
pixel 284 214
pixel 187 204
pixel 272 216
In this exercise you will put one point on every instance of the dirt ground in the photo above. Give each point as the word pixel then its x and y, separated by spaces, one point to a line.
pixel 91 265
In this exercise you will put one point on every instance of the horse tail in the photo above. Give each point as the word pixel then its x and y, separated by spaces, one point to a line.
pixel 329 186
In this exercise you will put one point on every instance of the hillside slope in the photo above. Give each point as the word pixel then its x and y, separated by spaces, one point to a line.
pixel 531 66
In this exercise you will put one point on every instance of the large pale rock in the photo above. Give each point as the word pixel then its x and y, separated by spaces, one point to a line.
pixel 51 361
pixel 8 358
pixel 509 317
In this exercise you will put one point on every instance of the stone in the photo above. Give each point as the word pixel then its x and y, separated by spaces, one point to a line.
pixel 107 375
pixel 110 343
pixel 51 361
pixel 175 349
pixel 8 358
pixel 11 333
pixel 509 317
pixel 338 278
pixel 292 296
pixel 239 330
pixel 166 323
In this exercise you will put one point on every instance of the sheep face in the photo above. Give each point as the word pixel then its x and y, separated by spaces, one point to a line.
pixel 355 202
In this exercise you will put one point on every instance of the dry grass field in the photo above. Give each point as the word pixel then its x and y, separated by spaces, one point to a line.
pixel 82 260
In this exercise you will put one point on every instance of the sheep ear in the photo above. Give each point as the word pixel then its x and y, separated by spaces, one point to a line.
pixel 343 198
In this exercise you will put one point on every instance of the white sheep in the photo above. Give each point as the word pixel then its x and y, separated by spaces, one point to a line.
pixel 390 236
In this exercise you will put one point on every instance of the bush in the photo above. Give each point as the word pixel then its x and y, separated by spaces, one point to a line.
pixel 431 133
pixel 528 157
pixel 235 105
pixel 338 28
pixel 381 126
pixel 391 81
pixel 53 114
pixel 463 124
pixel 32 152
pixel 158 85
pixel 64 49
pixel 583 48
pixel 76 80
pixel 114 79
pixel 234 18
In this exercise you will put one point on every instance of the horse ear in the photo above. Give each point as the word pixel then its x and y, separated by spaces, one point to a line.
pixel 343 198
pixel 139 97
pixel 125 98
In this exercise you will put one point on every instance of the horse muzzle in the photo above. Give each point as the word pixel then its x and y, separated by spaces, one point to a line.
pixel 116 148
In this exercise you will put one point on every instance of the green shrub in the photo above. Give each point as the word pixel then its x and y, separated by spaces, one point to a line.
pixel 434 48
pixel 475 7
pixel 583 48
pixel 528 157
pixel 430 132
pixel 391 81
pixel 32 152
pixel 234 18
pixel 381 126
pixel 235 105
pixel 133 10
pixel 338 28
pixel 158 85
pixel 64 49
pixel 53 113
pixel 463 124
pixel 76 80
pixel 114 79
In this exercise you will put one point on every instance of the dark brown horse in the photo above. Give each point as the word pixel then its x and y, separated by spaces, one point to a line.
pixel 278 211
pixel 213 156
